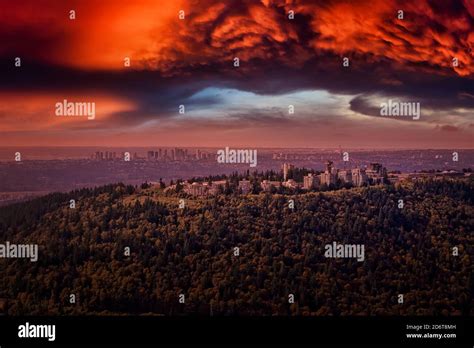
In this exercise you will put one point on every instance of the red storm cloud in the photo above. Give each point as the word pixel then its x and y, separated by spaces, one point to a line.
pixel 213 32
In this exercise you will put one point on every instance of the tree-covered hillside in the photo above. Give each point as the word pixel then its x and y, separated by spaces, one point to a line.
pixel 191 251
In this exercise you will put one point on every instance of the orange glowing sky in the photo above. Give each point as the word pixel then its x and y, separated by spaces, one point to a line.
pixel 190 61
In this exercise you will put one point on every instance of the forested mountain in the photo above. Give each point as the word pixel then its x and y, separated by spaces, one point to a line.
pixel 190 251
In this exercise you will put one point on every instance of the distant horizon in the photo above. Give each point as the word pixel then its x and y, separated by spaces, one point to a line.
pixel 236 146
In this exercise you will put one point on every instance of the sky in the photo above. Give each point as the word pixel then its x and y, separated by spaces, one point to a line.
pixel 422 55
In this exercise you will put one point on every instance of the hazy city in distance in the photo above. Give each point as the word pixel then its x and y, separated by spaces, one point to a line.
pixel 44 170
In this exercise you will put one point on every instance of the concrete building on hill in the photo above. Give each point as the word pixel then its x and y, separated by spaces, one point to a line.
pixel 359 178
pixel 286 169
pixel 345 176
pixel 311 181
pixel 267 184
